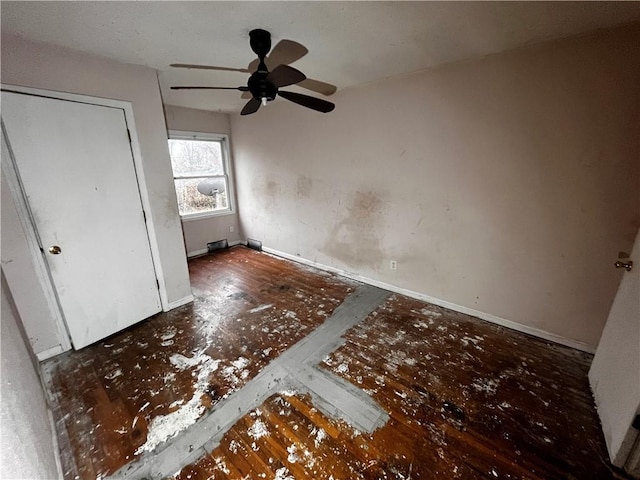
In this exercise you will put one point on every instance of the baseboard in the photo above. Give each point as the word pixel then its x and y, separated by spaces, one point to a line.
pixel 179 303
pixel 197 253
pixel 536 332
pixel 51 352
pixel 56 446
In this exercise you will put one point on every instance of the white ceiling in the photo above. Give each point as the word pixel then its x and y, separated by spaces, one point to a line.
pixel 349 43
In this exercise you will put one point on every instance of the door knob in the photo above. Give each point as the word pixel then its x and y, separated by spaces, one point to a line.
pixel 628 265
pixel 55 250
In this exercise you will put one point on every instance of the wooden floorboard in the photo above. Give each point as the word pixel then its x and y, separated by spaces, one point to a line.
pixel 466 399
pixel 249 307
pixel 496 401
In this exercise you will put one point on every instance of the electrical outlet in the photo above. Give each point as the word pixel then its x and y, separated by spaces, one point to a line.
pixel 231 228
pixel 393 265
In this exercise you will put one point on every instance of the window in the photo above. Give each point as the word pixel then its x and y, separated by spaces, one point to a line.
pixel 200 165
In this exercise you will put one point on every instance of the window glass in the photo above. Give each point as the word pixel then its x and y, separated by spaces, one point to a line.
pixel 194 157
pixel 192 200
pixel 200 176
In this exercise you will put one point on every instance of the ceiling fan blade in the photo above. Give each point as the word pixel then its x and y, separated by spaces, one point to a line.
pixel 307 101
pixel 284 75
pixel 181 87
pixel 284 53
pixel 209 67
pixel 318 86
pixel 252 106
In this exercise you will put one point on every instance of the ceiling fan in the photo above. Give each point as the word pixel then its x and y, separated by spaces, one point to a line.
pixel 263 85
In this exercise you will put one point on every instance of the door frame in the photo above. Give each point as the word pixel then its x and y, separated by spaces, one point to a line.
pixel 41 268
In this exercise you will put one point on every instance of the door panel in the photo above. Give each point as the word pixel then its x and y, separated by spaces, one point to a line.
pixel 615 371
pixel 75 164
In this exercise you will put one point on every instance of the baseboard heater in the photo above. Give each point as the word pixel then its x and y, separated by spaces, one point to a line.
pixel 219 245
pixel 255 244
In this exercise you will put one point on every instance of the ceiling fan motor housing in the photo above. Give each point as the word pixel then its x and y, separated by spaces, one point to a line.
pixel 260 87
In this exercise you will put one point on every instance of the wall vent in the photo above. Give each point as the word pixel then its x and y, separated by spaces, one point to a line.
pixel 255 244
pixel 219 245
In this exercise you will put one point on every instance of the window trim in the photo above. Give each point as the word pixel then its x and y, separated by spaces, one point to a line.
pixel 228 173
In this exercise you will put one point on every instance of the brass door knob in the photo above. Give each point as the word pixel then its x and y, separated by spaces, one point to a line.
pixel 628 265
pixel 55 250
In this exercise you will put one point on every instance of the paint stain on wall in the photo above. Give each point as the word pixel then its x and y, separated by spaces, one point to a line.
pixel 268 191
pixel 355 240
pixel 304 187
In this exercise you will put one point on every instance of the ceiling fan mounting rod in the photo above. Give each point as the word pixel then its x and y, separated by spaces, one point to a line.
pixel 260 41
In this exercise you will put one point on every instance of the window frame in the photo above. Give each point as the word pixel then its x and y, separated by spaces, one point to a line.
pixel 223 139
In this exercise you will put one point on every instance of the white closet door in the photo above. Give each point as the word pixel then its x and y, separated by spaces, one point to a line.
pixel 76 167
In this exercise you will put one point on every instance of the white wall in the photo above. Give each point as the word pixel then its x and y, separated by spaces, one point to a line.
pixel 192 120
pixel 505 185
pixel 27 441
pixel 199 232
pixel 38 65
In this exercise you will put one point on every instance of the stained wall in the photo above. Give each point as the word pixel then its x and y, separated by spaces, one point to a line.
pixel 27 441
pixel 505 185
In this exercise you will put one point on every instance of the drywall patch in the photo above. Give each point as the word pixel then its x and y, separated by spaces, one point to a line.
pixel 355 240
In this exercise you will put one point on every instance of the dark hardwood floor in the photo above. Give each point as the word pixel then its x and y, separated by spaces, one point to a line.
pixel 466 399
pixel 249 308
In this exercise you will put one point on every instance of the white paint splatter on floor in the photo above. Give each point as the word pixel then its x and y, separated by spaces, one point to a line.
pixel 164 427
pixel 220 465
pixel 427 312
pixel 320 436
pixel 283 474
pixel 113 374
pixel 240 363
pixel 293 454
pixel 182 363
pixel 258 430
pixel 169 333
pixel 233 446
pixel 260 308
pixel 342 368
pixel 489 386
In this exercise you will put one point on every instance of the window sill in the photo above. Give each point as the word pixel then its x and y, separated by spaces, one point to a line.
pixel 190 217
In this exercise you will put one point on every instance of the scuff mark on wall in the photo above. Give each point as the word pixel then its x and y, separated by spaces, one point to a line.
pixel 355 240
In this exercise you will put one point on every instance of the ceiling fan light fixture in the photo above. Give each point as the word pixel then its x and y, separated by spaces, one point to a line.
pixel 264 85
